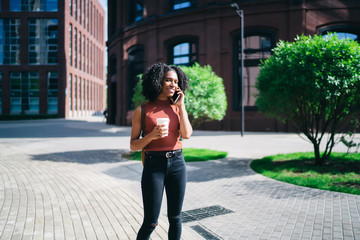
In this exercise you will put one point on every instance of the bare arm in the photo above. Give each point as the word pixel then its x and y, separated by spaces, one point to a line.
pixel 137 143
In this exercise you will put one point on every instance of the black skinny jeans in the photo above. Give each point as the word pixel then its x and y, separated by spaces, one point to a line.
pixel 160 172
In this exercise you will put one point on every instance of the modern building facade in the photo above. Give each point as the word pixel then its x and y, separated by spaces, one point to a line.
pixel 143 32
pixel 51 58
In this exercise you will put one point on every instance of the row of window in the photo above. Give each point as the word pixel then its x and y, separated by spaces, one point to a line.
pixel 42 45
pixel 257 47
pixel 24 93
pixel 33 5
pixel 136 7
pixel 84 54
pixel 84 95
pixel 85 12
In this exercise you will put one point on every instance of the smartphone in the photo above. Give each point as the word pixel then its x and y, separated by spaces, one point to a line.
pixel 175 97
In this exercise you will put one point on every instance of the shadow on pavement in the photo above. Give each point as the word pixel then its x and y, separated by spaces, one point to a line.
pixel 60 128
pixel 83 157
pixel 197 171
pixel 218 169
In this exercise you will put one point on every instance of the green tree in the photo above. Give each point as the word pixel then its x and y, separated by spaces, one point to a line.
pixel 314 84
pixel 206 98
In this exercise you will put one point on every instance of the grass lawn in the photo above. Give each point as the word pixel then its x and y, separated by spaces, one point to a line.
pixel 190 155
pixel 341 173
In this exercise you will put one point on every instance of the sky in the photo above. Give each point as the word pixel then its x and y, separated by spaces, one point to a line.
pixel 103 3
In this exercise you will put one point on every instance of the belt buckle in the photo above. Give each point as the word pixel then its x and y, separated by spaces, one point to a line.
pixel 168 154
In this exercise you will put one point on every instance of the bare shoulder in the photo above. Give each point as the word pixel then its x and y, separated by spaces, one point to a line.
pixel 137 113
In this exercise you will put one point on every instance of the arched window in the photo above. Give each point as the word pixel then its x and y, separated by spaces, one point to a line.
pixel 342 31
pixel 183 52
pixel 258 45
pixel 136 10
pixel 112 6
pixel 135 67
pixel 112 65
pixel 181 4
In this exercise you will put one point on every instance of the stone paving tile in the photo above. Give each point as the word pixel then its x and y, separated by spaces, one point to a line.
pixel 66 180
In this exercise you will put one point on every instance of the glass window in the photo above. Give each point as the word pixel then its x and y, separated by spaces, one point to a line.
pixel 257 47
pixel 0 92
pixel 52 86
pixel 87 55
pixel 80 7
pixel 180 4
pixel 75 9
pixel 34 6
pixel 70 92
pixel 75 47
pixel 184 53
pixel 80 42
pixel 24 98
pixel 83 58
pixel 76 94
pixel 43 41
pixel 9 41
pixel 52 6
pixel 71 7
pixel 136 10
pixel 71 44
pixel 84 13
pixel 135 67
pixel 87 14
pixel 80 95
pixel 342 32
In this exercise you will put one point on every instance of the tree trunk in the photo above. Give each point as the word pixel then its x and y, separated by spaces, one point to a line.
pixel 318 159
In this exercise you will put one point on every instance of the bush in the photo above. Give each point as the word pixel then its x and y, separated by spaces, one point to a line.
pixel 206 98
pixel 314 84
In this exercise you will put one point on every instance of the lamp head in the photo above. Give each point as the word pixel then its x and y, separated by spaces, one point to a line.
pixel 234 5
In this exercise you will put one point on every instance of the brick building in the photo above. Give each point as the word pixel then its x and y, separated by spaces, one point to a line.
pixel 143 32
pixel 51 58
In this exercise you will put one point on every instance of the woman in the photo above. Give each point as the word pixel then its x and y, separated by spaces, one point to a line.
pixel 164 165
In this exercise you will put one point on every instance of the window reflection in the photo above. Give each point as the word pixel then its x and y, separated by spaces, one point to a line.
pixel 34 5
pixel 139 12
pixel 343 35
pixel 9 41
pixel 184 53
pixel 43 41
pixel 257 47
pixel 136 11
pixel 24 97
pixel 0 92
pixel 181 4
pixel 70 87
pixel 52 84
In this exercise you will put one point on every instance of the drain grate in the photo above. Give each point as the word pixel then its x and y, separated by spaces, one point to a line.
pixel 201 213
pixel 205 233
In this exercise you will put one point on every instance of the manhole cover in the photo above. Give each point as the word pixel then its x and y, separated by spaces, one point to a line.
pixel 205 233
pixel 201 213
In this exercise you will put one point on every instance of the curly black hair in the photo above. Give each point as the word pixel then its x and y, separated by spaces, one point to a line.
pixel 152 80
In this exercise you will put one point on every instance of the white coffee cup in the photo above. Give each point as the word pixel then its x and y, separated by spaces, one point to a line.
pixel 164 121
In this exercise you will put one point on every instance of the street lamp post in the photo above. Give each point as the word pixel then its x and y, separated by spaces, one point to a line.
pixel 241 15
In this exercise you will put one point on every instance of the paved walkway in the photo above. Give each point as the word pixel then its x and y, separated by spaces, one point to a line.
pixel 65 179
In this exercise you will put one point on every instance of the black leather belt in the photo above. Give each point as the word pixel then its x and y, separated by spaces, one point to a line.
pixel 166 154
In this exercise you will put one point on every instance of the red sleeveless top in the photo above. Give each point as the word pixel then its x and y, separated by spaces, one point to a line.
pixel 163 109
